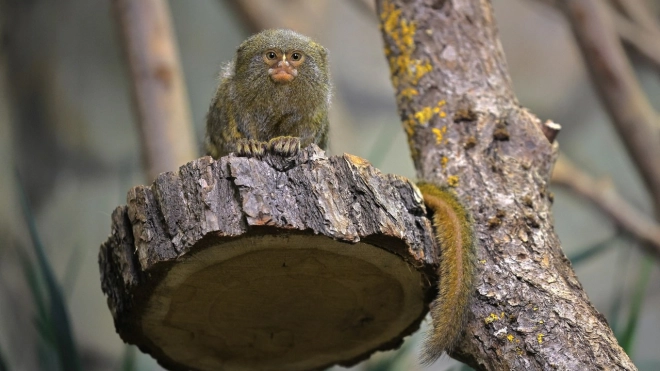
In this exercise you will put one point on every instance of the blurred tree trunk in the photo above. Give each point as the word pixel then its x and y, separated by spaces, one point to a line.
pixel 159 93
pixel 466 130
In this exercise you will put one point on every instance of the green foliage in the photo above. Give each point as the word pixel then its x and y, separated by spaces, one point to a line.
pixel 3 364
pixel 593 251
pixel 627 337
pixel 128 359
pixel 620 290
pixel 72 271
pixel 52 318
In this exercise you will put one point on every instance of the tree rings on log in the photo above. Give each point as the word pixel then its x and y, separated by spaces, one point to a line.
pixel 269 264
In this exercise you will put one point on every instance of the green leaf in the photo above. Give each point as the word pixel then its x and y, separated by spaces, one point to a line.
pixel 73 270
pixel 36 289
pixel 590 252
pixel 45 330
pixel 3 363
pixel 619 294
pixel 637 301
pixel 128 359
pixel 57 311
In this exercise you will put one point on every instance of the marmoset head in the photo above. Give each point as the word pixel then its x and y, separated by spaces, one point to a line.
pixel 283 56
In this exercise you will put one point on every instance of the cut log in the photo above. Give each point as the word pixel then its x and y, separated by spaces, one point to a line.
pixel 269 264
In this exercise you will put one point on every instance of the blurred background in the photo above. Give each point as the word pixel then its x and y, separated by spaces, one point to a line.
pixel 68 126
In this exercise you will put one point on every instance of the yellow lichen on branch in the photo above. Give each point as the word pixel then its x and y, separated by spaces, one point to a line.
pixel 409 93
pixel 443 161
pixel 439 135
pixel 425 114
pixel 406 71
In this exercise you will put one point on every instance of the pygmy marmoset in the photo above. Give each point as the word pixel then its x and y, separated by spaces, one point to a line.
pixel 274 96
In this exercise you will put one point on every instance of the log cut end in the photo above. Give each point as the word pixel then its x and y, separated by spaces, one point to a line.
pixel 245 264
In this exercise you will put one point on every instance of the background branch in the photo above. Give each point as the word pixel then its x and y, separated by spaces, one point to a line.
pixel 298 15
pixel 623 98
pixel 251 15
pixel 643 40
pixel 601 193
pixel 159 92
pixel 367 7
pixel 639 13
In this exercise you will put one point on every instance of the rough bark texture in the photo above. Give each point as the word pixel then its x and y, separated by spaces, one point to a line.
pixel 207 205
pixel 467 131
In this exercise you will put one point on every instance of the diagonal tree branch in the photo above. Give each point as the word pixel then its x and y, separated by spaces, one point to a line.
pixel 299 15
pixel 367 7
pixel 602 194
pixel 638 12
pixel 468 132
pixel 641 39
pixel 634 118
pixel 252 16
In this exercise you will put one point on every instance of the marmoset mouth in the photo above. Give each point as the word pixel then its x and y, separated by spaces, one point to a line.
pixel 282 74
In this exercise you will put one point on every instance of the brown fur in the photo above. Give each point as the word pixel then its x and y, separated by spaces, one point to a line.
pixel 449 311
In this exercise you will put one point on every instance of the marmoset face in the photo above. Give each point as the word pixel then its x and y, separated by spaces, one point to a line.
pixel 283 65
pixel 281 56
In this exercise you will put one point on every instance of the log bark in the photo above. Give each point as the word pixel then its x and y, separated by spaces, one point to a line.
pixel 467 131
pixel 269 264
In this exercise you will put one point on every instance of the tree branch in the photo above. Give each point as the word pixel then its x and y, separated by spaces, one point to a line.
pixel 467 131
pixel 641 39
pixel 251 15
pixel 602 194
pixel 614 78
pixel 367 7
pixel 299 15
pixel 159 91
pixel 637 11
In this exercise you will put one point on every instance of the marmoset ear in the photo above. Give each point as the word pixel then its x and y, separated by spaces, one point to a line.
pixel 321 50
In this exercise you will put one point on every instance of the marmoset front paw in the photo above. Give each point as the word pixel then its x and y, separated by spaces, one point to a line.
pixel 284 146
pixel 250 148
